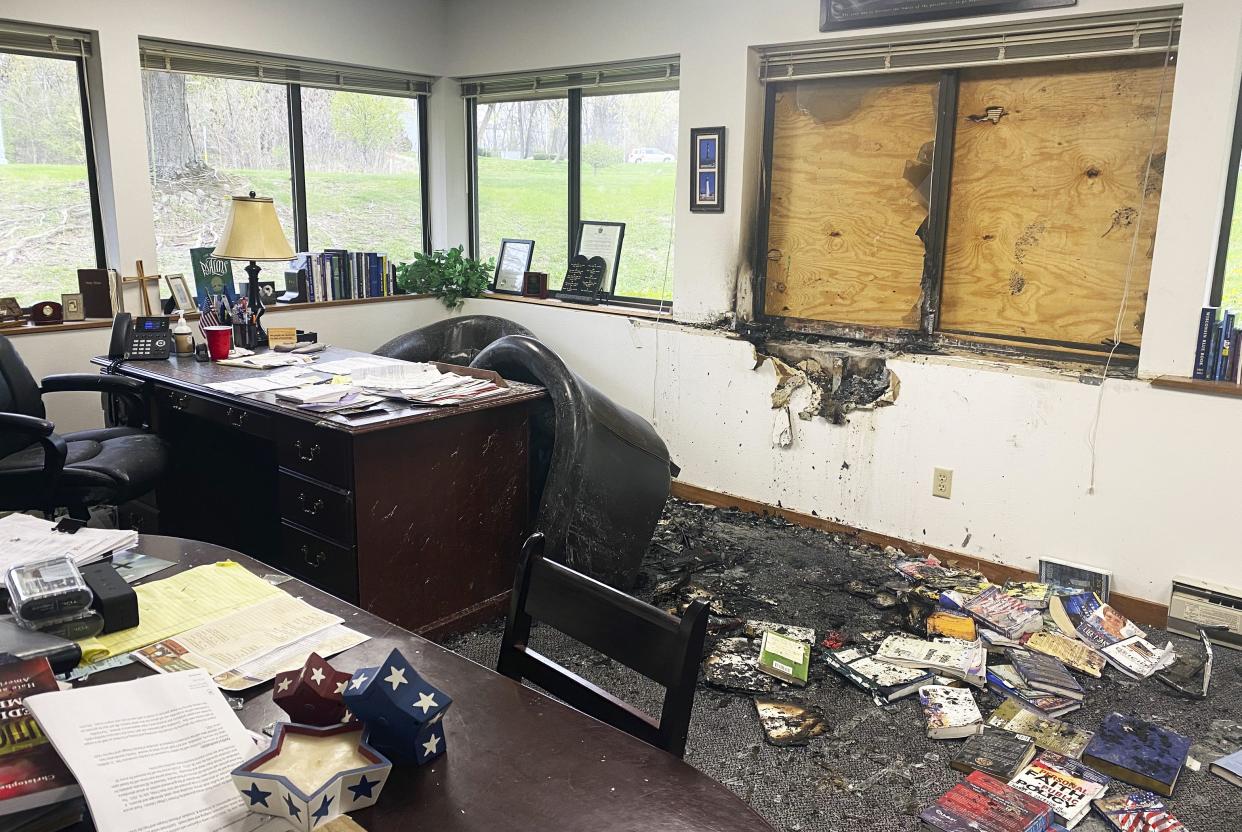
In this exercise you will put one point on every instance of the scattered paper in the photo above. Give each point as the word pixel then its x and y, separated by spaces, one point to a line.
pixel 346 366
pixel 327 643
pixel 262 384
pixel 267 360
pixel 154 754
pixel 24 539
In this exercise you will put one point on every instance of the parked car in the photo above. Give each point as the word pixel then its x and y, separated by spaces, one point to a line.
pixel 648 155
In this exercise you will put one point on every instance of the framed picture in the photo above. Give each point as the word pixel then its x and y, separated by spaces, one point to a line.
pixel 535 285
pixel 10 308
pixel 707 145
pixel 850 14
pixel 602 239
pixel 181 295
pixel 72 307
pixel 512 265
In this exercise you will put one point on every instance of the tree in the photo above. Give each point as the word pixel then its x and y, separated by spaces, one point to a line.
pixel 170 145
pixel 372 123
pixel 600 155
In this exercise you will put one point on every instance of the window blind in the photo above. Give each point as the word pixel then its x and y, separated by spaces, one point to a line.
pixel 42 40
pixel 276 69
pixel 1154 30
pixel 648 75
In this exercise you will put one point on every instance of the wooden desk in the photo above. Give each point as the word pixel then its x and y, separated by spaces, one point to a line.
pixel 516 759
pixel 417 514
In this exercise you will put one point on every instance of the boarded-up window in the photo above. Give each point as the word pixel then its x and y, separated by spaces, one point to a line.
pixel 842 238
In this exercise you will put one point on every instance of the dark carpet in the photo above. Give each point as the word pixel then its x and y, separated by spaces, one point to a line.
pixel 874 769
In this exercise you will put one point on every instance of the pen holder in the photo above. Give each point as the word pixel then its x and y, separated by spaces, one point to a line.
pixel 245 336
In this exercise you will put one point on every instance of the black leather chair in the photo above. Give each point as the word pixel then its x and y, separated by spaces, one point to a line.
pixel 43 470
pixel 453 341
pixel 600 473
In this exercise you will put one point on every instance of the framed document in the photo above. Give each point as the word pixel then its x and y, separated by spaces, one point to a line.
pixel 707 146
pixel 181 293
pixel 603 240
pixel 512 265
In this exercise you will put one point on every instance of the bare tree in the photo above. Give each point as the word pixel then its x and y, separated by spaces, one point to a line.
pixel 171 144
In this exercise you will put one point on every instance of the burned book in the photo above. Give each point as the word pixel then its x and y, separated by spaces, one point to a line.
pixel 950 713
pixel 755 629
pixel 962 660
pixel 1032 593
pixel 1049 734
pixel 1005 681
pixel 1069 651
pixel 1045 673
pixel 995 752
pixel 789 721
pixel 785 658
pixel 952 625
pixel 733 664
pixel 886 682
pixel 997 611
pixel 1139 752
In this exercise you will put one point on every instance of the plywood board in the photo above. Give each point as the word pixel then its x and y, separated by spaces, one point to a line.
pixel 842 242
pixel 1050 187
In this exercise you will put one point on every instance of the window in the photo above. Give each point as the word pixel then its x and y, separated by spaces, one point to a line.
pixel 1227 289
pixel 1003 203
pixel 599 145
pixel 340 149
pixel 49 218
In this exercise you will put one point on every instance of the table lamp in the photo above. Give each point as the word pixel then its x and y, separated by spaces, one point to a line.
pixel 253 233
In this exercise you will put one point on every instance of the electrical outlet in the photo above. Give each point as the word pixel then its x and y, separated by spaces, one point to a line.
pixel 942 482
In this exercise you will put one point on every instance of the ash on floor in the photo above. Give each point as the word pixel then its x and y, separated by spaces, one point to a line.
pixel 872 768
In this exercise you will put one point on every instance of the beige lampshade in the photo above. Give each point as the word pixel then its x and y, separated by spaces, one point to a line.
pixel 253 231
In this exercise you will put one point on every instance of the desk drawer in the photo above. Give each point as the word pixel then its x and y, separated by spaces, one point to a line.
pixel 239 418
pixel 322 563
pixel 314 452
pixel 321 508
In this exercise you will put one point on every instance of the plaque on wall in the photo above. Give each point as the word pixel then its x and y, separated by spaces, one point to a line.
pixel 852 14
pixel 583 280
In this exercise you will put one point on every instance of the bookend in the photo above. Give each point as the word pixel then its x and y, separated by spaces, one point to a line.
pixel 314 694
pixel 402 710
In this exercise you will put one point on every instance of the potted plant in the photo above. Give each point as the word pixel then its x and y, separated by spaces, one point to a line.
pixel 449 275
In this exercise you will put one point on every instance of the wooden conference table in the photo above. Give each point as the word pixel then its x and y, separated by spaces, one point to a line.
pixel 516 759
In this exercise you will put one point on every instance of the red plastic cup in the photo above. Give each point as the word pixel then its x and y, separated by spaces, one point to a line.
pixel 219 341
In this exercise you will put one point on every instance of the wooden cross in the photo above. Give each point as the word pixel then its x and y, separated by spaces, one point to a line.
pixel 142 279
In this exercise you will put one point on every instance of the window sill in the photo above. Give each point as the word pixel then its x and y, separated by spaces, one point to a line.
pixel 321 304
pixel 607 309
pixel 28 328
pixel 1198 385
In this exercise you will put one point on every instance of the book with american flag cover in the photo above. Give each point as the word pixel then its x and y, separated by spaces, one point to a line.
pixel 1137 811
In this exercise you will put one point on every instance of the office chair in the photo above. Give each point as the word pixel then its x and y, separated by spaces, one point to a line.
pixel 660 646
pixel 453 341
pixel 42 470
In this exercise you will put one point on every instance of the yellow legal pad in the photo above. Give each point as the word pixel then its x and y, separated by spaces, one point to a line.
pixel 180 603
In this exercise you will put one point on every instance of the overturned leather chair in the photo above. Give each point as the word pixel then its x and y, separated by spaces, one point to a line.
pixel 453 341
pixel 600 473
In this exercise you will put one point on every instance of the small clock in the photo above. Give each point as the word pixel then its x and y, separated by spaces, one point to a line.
pixel 46 312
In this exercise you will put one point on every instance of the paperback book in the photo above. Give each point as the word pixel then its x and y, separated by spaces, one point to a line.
pixel 951 713
pixel 32 774
pixel 1141 753
pixel 1137 811
pixel 1229 768
pixel 1007 615
pixel 964 660
pixel 785 658
pixel 1064 784
pixel 1071 652
pixel 1049 734
pixel 1138 658
pixel 1032 593
pixel 981 803
pixel 1045 673
pixel 1004 680
pixel 995 752
pixel 885 682
pixel 952 625
pixel 1104 625
pixel 1068 611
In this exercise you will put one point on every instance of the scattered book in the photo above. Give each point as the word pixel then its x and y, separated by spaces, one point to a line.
pixel 733 664
pixel 1049 734
pixel 1045 673
pixel 1065 784
pixel 1032 593
pixel 1067 578
pixel 981 803
pixel 1069 651
pixel 884 681
pixel 1004 680
pixel 32 774
pixel 1104 625
pixel 1068 611
pixel 789 722
pixel 1138 658
pixel 962 660
pixel 995 752
pixel 1006 615
pixel 1229 768
pixel 785 658
pixel 1137 812
pixel 952 625
pixel 1140 753
pixel 755 629
pixel 951 713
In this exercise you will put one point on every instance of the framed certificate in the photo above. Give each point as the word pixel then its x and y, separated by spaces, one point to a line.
pixel 602 239
pixel 512 265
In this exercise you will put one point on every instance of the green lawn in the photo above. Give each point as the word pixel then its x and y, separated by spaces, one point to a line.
pixel 45 230
pixel 1232 298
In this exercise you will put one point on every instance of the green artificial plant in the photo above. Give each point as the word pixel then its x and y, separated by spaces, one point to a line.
pixel 449 275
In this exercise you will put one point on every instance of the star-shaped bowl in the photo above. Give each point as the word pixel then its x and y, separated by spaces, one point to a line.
pixel 310 775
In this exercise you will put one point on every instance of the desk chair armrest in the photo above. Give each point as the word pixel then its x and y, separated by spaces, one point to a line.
pixel 91 383
pixel 32 426
pixel 55 450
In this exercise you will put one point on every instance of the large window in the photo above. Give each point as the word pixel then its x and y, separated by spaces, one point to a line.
pixel 1227 291
pixel 601 146
pixel 1012 204
pixel 49 224
pixel 343 165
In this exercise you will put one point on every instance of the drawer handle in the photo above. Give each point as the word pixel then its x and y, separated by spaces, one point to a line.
pixel 309 454
pixel 315 560
pixel 311 509
pixel 236 417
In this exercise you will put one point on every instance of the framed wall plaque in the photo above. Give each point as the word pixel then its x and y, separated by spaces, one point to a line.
pixel 512 265
pixel 602 240
pixel 707 170
pixel 852 14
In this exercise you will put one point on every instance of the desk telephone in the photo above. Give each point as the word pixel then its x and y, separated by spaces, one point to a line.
pixel 144 339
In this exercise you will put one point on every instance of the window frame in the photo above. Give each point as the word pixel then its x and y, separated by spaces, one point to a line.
pixel 929 333
pixel 88 139
pixel 573 192
pixel 1216 295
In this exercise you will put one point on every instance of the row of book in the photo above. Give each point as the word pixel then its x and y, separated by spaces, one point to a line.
pixel 1218 346
pixel 339 274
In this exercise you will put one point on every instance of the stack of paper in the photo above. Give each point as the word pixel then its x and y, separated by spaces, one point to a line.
pixel 274 381
pixel 345 366
pixel 267 360
pixel 424 384
pixel 317 393
pixel 24 539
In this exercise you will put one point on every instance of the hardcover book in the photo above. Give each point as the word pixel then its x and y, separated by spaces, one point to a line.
pixel 1141 753
pixel 1068 611
pixel 1064 784
pixel 1207 322
pixel 995 752
pixel 997 611
pixel 96 288
pixel 31 772
pixel 1069 651
pixel 1045 673
pixel 982 802
pixel 885 682
pixel 1048 734
pixel 951 713
pixel 785 658
pixel 1229 768
pixel 1137 812
pixel 1004 680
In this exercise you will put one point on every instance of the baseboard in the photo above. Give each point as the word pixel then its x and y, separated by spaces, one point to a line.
pixel 1137 609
